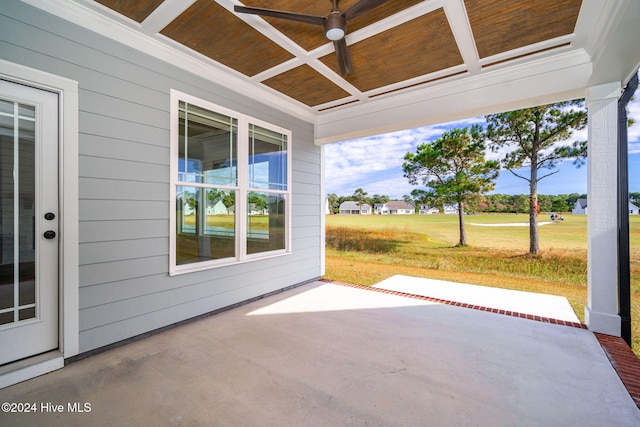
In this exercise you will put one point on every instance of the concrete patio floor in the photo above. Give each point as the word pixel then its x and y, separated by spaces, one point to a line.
pixel 324 354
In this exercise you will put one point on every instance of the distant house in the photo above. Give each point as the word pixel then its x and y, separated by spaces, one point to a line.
pixel 217 208
pixel 580 208
pixel 396 207
pixel 400 207
pixel 380 209
pixel 426 210
pixel 353 208
pixel 451 209
pixel 255 209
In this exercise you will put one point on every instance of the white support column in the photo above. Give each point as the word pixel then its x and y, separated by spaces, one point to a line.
pixel 601 314
pixel 323 198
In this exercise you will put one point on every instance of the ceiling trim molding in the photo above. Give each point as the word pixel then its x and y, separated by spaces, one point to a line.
pixel 595 47
pixel 544 80
pixel 456 70
pixel 159 47
pixel 527 50
pixel 595 23
pixel 487 78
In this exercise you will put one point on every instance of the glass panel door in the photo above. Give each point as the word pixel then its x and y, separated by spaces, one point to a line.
pixel 17 212
pixel 29 138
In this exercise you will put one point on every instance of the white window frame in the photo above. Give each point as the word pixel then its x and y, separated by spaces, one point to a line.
pixel 241 214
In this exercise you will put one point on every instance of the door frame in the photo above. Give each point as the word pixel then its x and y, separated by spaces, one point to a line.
pixel 68 264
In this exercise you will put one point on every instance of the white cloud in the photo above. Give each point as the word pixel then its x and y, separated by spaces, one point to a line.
pixel 375 163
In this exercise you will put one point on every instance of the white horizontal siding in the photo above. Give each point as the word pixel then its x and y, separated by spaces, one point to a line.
pixel 100 231
pixel 125 289
pixel 118 250
pixel 111 189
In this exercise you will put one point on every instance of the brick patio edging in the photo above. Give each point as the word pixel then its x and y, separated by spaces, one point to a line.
pixel 465 305
pixel 623 360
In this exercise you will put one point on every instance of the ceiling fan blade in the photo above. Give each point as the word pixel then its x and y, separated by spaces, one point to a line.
pixel 344 60
pixel 363 6
pixel 299 17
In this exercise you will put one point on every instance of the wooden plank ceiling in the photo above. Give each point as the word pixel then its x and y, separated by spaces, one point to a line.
pixel 396 46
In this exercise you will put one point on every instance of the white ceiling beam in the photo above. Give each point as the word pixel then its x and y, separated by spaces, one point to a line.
pixel 461 28
pixel 266 29
pixel 394 20
pixel 164 15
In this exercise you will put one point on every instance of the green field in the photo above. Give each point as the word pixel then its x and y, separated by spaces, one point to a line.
pixel 367 249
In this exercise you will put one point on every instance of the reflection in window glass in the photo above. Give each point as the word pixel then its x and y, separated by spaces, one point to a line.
pixel 266 222
pixel 232 197
pixel 267 159
pixel 207 146
pixel 205 224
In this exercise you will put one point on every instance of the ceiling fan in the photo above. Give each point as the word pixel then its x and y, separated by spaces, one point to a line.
pixel 334 24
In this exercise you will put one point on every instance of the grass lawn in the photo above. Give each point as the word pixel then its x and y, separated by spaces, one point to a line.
pixel 367 249
pixel 257 222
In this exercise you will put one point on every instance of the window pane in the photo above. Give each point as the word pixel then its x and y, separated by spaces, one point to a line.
pixel 6 106
pixel 265 222
pixel 205 224
pixel 267 159
pixel 27 313
pixel 7 215
pixel 17 204
pixel 207 147
pixel 26 215
pixel 28 111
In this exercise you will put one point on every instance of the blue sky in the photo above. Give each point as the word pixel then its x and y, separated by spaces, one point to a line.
pixel 375 163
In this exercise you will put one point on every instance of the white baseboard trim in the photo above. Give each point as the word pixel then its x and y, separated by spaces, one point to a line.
pixel 32 367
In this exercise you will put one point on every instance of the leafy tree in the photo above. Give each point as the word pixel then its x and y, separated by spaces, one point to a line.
pixel 191 201
pixel 259 199
pixel 533 134
pixel 544 203
pixel 454 169
pixel 360 196
pixel 229 199
pixel 572 198
pixel 377 198
pixel 426 198
pixel 519 203
pixel 334 204
pixel 558 204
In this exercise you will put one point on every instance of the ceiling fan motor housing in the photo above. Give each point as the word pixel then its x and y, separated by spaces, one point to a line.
pixel 335 26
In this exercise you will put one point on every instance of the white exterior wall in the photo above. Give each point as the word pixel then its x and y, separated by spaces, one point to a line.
pixel 123 182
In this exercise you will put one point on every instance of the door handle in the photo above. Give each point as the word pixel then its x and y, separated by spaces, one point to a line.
pixel 49 234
